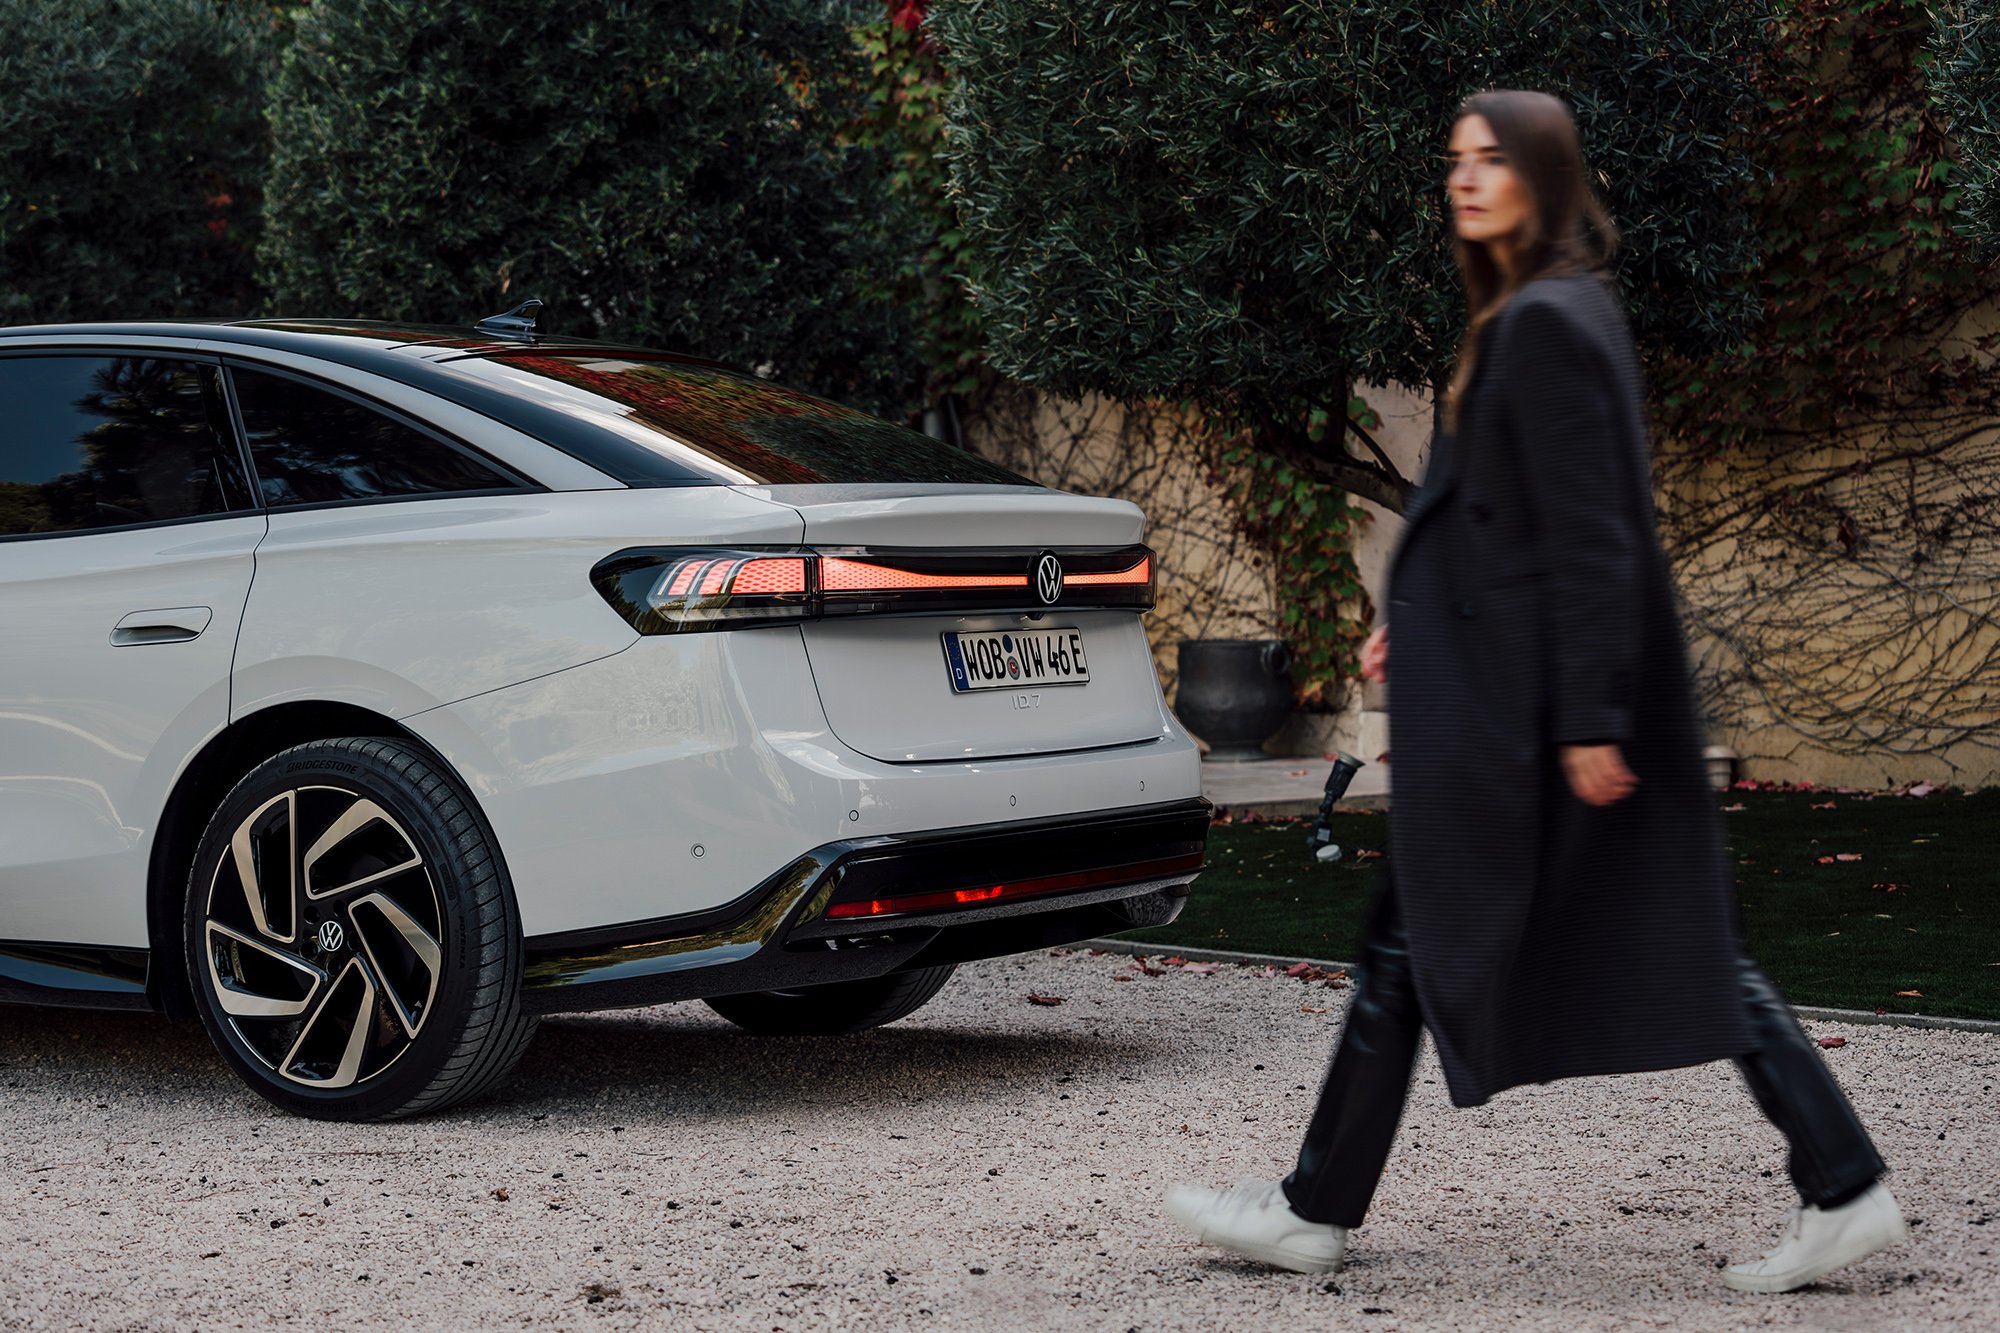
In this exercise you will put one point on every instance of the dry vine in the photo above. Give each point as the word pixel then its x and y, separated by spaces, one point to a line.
pixel 1848 601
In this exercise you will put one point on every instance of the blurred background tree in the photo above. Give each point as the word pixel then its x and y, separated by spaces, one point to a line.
pixel 132 151
pixel 673 172
pixel 1242 205
pixel 1965 85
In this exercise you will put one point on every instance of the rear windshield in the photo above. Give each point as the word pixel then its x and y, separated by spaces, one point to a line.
pixel 730 426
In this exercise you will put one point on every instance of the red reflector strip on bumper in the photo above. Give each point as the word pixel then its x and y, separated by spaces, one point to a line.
pixel 1023 888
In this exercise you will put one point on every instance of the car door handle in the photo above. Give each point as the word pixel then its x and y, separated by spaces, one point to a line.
pixel 173 625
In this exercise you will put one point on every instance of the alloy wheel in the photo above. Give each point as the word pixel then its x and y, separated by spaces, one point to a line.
pixel 322 936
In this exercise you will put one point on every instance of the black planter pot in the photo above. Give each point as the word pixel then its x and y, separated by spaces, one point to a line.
pixel 1234 694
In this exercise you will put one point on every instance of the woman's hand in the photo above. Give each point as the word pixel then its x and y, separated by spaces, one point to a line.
pixel 1597 774
pixel 1375 657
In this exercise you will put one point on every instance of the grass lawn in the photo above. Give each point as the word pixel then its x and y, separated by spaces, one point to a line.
pixel 1918 909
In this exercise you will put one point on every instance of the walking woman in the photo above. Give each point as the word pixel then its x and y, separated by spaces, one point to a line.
pixel 1560 901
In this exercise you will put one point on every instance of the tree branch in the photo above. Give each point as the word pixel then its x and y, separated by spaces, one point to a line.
pixel 1384 484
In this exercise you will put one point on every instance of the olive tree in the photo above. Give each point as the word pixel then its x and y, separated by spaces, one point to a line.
pixel 1240 205
pixel 1965 87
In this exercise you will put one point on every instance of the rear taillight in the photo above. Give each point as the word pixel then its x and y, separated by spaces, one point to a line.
pixel 676 590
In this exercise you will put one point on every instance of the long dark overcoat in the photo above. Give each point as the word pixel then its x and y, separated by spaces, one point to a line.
pixel 1531 607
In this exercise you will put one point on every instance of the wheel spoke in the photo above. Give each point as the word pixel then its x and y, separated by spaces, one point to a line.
pixel 428 953
pixel 353 820
pixel 235 995
pixel 357 1020
pixel 243 851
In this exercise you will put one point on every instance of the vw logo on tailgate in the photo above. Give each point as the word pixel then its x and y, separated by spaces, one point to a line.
pixel 1048 578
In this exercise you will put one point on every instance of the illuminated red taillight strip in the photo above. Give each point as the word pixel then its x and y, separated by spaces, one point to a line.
pixel 770 576
pixel 1023 888
pixel 841 575
pixel 1139 574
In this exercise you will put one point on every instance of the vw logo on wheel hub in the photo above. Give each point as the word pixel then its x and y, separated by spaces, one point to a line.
pixel 1048 578
pixel 331 936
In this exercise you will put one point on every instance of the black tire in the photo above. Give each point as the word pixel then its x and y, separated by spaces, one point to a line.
pixel 380 975
pixel 840 1006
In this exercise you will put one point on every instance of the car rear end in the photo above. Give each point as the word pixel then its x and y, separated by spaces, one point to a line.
pixel 926 730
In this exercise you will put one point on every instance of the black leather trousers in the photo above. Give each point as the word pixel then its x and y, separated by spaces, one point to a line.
pixel 1347 1142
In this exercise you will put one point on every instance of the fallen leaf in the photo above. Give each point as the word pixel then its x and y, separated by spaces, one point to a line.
pixel 1911 994
pixel 1921 789
pixel 1847 856
pixel 1309 1009
pixel 1831 933
pixel 1173 962
pixel 1201 969
pixel 1732 809
pixel 1150 970
pixel 1124 976
pixel 1890 888
pixel 1832 1043
pixel 1823 860
pixel 1298 969
pixel 1369 854
pixel 501 1194
pixel 1820 805
pixel 1297 772
pixel 1035 997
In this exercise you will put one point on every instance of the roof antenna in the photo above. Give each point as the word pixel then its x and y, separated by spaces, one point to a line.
pixel 518 324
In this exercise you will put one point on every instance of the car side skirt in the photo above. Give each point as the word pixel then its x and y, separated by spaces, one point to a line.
pixel 1140 863
pixel 73 976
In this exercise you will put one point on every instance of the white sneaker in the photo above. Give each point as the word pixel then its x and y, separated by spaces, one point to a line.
pixel 1255 1219
pixel 1818 1241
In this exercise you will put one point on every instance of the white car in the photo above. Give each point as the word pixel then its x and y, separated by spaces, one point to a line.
pixel 370 691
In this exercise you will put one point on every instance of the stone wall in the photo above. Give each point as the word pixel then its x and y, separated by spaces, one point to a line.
pixel 1842 603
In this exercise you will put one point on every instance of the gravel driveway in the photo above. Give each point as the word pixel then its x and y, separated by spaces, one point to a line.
pixel 988 1162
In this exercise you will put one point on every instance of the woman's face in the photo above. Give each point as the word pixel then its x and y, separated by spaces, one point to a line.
pixel 1488 201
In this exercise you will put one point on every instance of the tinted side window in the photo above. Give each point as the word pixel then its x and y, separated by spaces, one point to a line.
pixel 313 446
pixel 105 442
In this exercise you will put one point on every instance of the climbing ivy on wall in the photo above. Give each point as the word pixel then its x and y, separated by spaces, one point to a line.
pixel 1309 530
pixel 1865 274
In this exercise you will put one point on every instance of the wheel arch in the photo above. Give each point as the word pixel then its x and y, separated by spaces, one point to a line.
pixel 218 766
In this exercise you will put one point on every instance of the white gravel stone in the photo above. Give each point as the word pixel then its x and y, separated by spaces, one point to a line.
pixel 986 1163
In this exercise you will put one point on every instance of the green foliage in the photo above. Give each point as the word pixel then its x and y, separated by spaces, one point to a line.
pixel 131 149
pixel 1241 204
pixel 665 171
pixel 904 117
pixel 1309 529
pixel 1965 87
pixel 1865 275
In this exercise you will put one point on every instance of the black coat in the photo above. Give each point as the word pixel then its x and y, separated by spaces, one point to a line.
pixel 1531 606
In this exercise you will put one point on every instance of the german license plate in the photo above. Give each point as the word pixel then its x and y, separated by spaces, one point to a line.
pixel 1008 659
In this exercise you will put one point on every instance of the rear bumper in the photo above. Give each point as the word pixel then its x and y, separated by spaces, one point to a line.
pixel 1134 866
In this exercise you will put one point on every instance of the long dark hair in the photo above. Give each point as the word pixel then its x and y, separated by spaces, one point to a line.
pixel 1566 230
